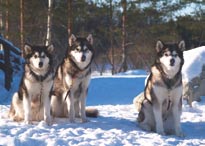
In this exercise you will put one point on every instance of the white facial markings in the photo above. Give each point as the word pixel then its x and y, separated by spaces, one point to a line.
pixel 85 48
pixel 174 54
pixel 35 60
pixel 170 69
pixel 78 54
pixel 39 61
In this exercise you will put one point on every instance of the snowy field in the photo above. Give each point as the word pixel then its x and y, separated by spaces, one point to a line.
pixel 116 124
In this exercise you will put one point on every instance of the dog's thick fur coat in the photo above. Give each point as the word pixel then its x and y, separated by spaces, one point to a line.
pixel 32 101
pixel 72 81
pixel 160 105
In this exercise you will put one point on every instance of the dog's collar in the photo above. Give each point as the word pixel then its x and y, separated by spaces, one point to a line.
pixel 40 77
pixel 170 82
pixel 76 66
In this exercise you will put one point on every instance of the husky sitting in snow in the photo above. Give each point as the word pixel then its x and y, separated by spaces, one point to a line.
pixel 32 101
pixel 72 80
pixel 160 105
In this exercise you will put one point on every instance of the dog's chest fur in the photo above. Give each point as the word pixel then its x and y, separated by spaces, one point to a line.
pixel 164 89
pixel 35 88
pixel 74 76
pixel 70 76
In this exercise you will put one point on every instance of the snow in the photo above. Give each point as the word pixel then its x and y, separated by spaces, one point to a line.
pixel 116 124
pixel 194 60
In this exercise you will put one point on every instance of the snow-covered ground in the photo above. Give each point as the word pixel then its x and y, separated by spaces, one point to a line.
pixel 194 60
pixel 116 124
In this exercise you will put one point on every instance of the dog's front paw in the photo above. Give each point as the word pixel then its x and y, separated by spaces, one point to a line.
pixel 27 121
pixel 72 120
pixel 180 134
pixel 85 120
pixel 145 127
pixel 48 121
pixel 161 132
pixel 17 118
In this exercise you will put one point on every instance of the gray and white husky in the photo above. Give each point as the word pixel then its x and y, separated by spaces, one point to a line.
pixel 160 105
pixel 72 80
pixel 32 101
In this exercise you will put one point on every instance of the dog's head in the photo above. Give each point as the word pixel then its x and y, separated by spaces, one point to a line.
pixel 81 50
pixel 170 57
pixel 38 57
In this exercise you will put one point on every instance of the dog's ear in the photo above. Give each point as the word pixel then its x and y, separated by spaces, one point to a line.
pixel 159 46
pixel 90 39
pixel 182 45
pixel 27 49
pixel 71 39
pixel 50 48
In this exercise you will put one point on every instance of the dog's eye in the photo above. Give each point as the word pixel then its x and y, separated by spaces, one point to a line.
pixel 86 50
pixel 43 56
pixel 77 49
pixel 175 55
pixel 35 56
pixel 166 54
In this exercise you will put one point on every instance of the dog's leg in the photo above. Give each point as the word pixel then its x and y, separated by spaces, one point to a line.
pixel 70 106
pixel 47 109
pixel 16 112
pixel 70 99
pixel 176 116
pixel 176 111
pixel 27 110
pixel 82 109
pixel 77 108
pixel 83 99
pixel 157 109
pixel 146 117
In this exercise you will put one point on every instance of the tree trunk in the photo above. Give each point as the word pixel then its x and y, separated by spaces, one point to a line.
pixel 48 34
pixel 22 24
pixel 7 20
pixel 111 39
pixel 123 67
pixel 1 23
pixel 69 17
pixel 1 17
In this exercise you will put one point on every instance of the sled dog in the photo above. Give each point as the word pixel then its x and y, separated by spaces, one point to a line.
pixel 160 105
pixel 32 101
pixel 72 80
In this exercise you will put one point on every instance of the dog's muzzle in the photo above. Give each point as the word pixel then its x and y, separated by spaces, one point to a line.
pixel 83 58
pixel 172 61
pixel 40 64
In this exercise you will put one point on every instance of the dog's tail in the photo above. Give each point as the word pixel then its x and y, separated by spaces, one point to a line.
pixel 92 112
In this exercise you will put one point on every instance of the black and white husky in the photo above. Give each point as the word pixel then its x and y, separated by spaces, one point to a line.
pixel 160 105
pixel 32 101
pixel 72 80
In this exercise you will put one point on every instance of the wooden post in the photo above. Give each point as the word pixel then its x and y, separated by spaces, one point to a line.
pixel 6 66
pixel 8 69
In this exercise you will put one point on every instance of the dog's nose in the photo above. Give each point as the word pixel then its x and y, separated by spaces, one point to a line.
pixel 40 64
pixel 83 58
pixel 172 61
